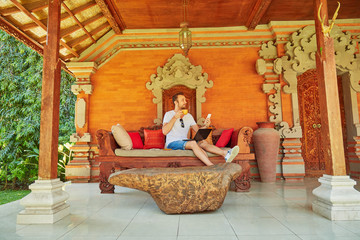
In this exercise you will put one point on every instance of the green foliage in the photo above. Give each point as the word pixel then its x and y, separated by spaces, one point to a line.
pixel 64 159
pixel 7 196
pixel 20 108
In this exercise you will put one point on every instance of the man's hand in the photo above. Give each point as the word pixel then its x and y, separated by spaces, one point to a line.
pixel 207 122
pixel 179 114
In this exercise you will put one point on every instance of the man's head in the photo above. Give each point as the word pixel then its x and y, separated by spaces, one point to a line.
pixel 179 100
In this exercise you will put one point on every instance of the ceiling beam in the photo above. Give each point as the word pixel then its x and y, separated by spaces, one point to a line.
pixel 257 13
pixel 107 14
pixel 36 6
pixel 29 26
pixel 78 22
pixel 92 19
pixel 83 7
pixel 9 11
pixel 116 14
pixel 20 35
pixel 24 38
pixel 77 41
pixel 38 22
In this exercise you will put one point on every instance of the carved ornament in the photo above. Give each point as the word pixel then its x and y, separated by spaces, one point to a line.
pixel 76 138
pixel 275 98
pixel 287 132
pixel 87 88
pixel 178 71
pixel 260 66
pixel 268 50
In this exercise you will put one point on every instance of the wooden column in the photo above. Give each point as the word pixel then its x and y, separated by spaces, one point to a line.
pixel 50 96
pixel 332 140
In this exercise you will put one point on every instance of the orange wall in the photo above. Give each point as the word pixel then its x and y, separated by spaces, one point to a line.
pixel 120 95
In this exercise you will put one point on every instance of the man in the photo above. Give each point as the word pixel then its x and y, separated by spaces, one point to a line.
pixel 176 126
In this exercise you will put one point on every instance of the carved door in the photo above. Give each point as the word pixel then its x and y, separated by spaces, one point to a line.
pixel 310 121
pixel 190 95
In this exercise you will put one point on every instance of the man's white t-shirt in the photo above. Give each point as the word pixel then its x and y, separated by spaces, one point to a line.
pixel 177 132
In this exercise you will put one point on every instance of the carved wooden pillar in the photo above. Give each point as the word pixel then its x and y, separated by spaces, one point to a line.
pixel 46 202
pixel 336 197
pixel 79 169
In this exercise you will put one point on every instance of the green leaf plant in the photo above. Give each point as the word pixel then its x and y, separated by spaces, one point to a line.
pixel 20 108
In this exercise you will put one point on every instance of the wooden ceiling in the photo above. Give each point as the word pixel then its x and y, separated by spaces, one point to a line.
pixel 84 22
pixel 147 14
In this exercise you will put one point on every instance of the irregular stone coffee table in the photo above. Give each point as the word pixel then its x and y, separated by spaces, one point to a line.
pixel 181 190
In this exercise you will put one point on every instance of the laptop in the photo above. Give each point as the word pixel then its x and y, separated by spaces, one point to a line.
pixel 201 134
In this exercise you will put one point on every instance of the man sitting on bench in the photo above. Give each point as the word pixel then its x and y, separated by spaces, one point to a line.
pixel 176 126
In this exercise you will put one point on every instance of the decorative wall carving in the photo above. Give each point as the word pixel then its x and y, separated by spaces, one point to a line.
pixel 260 66
pixel 300 56
pixel 274 98
pixel 179 71
pixel 76 138
pixel 80 112
pixel 289 132
pixel 87 88
pixel 268 50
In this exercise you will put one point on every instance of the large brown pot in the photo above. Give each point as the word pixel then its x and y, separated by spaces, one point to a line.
pixel 266 143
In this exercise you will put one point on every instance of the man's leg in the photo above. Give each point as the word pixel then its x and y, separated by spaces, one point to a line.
pixel 199 152
pixel 212 148
pixel 228 155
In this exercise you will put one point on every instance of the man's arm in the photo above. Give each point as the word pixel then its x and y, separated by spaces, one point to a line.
pixel 207 124
pixel 169 125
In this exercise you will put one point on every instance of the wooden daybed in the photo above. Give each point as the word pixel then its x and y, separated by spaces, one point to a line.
pixel 111 158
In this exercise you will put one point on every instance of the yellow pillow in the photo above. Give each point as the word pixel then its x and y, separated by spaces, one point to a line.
pixel 121 137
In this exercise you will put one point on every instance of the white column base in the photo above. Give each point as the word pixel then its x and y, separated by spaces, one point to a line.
pixel 337 198
pixel 45 204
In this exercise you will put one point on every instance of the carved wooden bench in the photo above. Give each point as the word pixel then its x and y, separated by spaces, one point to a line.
pixel 110 162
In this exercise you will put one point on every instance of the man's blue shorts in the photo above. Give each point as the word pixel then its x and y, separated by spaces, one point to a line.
pixel 177 145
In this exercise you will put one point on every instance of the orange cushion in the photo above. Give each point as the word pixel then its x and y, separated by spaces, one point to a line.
pixel 153 139
pixel 224 138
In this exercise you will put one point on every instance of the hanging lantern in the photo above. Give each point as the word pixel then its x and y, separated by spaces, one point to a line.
pixel 185 38
pixel 185 42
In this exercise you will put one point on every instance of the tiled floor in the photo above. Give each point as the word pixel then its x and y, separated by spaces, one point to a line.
pixel 280 211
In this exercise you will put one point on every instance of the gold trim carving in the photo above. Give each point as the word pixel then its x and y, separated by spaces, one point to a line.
pixel 179 71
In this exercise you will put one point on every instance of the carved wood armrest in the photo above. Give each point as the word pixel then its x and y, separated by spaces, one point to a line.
pixel 244 139
pixel 106 143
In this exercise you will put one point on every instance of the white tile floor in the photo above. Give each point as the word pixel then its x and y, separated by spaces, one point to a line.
pixel 280 211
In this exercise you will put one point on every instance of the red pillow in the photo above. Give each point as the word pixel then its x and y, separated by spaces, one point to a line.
pixel 136 140
pixel 153 139
pixel 224 138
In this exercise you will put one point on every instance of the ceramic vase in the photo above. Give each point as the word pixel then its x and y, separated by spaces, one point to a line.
pixel 266 143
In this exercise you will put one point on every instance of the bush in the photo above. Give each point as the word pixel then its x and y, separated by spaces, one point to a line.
pixel 20 107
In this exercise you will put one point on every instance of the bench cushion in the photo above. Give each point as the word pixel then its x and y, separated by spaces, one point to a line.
pixel 158 153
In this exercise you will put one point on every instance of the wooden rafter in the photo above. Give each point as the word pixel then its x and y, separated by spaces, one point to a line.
pixel 78 22
pixel 84 48
pixel 36 6
pixel 92 19
pixel 116 14
pixel 257 13
pixel 38 22
pixel 77 41
pixel 29 26
pixel 9 11
pixel 24 38
pixel 20 35
pixel 107 14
